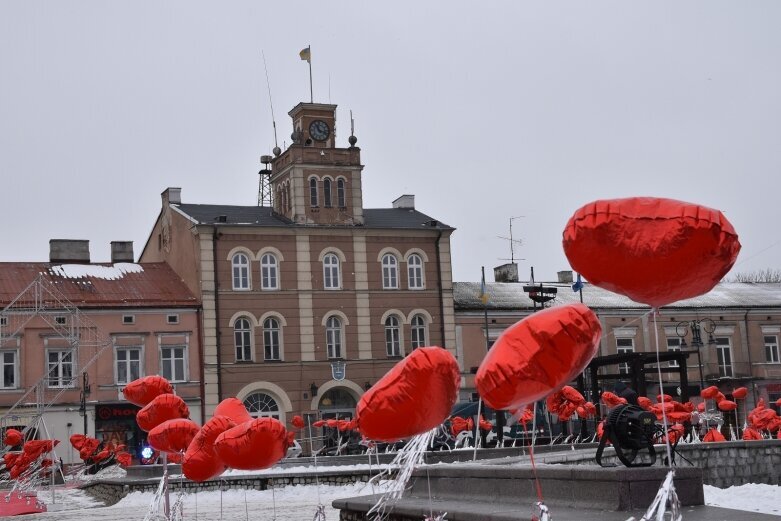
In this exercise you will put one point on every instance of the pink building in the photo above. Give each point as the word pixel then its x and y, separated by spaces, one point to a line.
pixel 81 331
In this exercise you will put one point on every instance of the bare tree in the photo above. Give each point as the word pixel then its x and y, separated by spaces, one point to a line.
pixel 766 275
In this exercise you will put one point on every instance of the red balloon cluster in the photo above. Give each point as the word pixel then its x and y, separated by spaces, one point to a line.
pixel 646 248
pixel 569 401
pixel 612 400
pixel 538 355
pixel 13 438
pixel 459 424
pixel 29 460
pixel 415 396
pixel 92 451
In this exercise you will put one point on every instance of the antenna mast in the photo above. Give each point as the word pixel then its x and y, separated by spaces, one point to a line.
pixel 265 197
pixel 510 238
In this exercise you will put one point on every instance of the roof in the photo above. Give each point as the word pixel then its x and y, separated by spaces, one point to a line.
pixel 123 285
pixel 385 218
pixel 510 296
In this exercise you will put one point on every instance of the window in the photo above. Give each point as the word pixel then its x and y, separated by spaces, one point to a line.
pixel 331 271
pixel 60 368
pixel 172 319
pixel 271 339
pixel 284 199
pixel 333 337
pixel 289 200
pixel 313 192
pixel 771 349
pixel 724 355
pixel 268 272
pixel 340 194
pixel 392 336
pixel 240 271
pixel 60 320
pixel 261 405
pixel 390 272
pixel 623 346
pixel 173 363
pixel 327 193
pixel 418 331
pixel 242 335
pixel 128 364
pixel 128 319
pixel 3 321
pixel 673 344
pixel 8 373
pixel 415 272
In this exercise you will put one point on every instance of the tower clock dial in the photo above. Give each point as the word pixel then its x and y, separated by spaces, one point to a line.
pixel 319 130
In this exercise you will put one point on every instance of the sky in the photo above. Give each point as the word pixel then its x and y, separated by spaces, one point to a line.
pixel 485 111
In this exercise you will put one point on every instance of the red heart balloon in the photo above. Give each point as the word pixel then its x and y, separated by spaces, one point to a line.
pixel 200 461
pixel 654 251
pixel 253 445
pixel 538 355
pixel 415 396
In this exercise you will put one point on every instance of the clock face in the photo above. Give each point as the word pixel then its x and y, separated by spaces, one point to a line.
pixel 319 130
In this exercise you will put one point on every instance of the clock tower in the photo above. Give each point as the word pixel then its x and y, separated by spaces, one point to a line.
pixel 314 181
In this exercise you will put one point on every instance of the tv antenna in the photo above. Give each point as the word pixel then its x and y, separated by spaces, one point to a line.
pixel 511 240
pixel 264 182
pixel 277 151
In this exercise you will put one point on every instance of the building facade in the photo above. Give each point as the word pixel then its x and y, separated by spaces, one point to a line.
pixel 307 303
pixel 72 334
pixel 737 327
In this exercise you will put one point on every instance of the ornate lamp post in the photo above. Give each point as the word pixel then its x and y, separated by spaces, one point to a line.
pixel 709 326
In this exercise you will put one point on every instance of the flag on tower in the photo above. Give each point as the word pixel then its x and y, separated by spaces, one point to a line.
pixel 306 54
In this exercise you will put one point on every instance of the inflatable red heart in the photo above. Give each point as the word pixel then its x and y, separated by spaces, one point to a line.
pixel 162 408
pixel 143 390
pixel 200 461
pixel 253 445
pixel 538 355
pixel 654 251
pixel 173 435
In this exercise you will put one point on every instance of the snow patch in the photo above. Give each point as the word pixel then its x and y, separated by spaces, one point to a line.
pixel 114 272
pixel 753 497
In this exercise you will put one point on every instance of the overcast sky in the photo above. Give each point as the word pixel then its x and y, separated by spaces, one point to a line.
pixel 483 110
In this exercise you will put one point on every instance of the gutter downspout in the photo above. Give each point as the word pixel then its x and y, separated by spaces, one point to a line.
pixel 441 293
pixel 199 321
pixel 750 365
pixel 215 238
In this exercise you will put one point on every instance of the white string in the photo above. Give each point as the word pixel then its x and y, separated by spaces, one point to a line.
pixel 477 427
pixel 661 392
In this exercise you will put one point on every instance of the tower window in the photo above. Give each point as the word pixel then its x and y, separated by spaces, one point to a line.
pixel 313 192
pixel 327 193
pixel 340 194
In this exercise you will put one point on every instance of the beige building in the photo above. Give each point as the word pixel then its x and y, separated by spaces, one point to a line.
pixel 738 325
pixel 309 302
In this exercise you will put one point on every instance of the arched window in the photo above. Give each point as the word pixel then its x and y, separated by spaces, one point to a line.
pixel 340 194
pixel 269 277
pixel 242 338
pixel 284 198
pixel 289 200
pixel 415 271
pixel 260 405
pixel 392 336
pixel 240 271
pixel 390 271
pixel 333 337
pixel 418 331
pixel 327 193
pixel 271 339
pixel 331 272
pixel 313 192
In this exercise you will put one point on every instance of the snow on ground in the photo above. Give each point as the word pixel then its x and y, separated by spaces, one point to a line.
pixel 297 502
pixel 753 497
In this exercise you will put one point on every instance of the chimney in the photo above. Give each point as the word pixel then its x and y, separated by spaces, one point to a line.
pixel 172 196
pixel 565 277
pixel 121 251
pixel 68 251
pixel 506 273
pixel 405 201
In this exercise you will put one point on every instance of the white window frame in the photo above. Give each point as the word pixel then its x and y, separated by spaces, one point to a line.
pixel 268 334
pixel 14 352
pixel 269 413
pixel 415 272
pixel 128 320
pixel 313 195
pixel 722 348
pixel 172 318
pixel 418 332
pixel 390 271
pixel 60 365
pixel 128 348
pixel 771 349
pixel 334 337
pixel 240 272
pixel 332 279
pixel 392 336
pixel 269 272
pixel 248 335
pixel 623 368
pixel 185 356
pixel 341 193
pixel 673 344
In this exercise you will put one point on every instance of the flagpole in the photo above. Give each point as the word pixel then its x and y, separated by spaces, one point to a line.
pixel 499 414
pixel 311 92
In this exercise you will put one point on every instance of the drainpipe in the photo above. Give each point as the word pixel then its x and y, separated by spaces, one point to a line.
pixel 441 292
pixel 750 365
pixel 215 238
pixel 199 321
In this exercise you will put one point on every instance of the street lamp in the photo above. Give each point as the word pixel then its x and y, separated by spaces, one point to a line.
pixel 709 326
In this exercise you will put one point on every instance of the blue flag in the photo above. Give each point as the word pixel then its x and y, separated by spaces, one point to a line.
pixel 578 284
